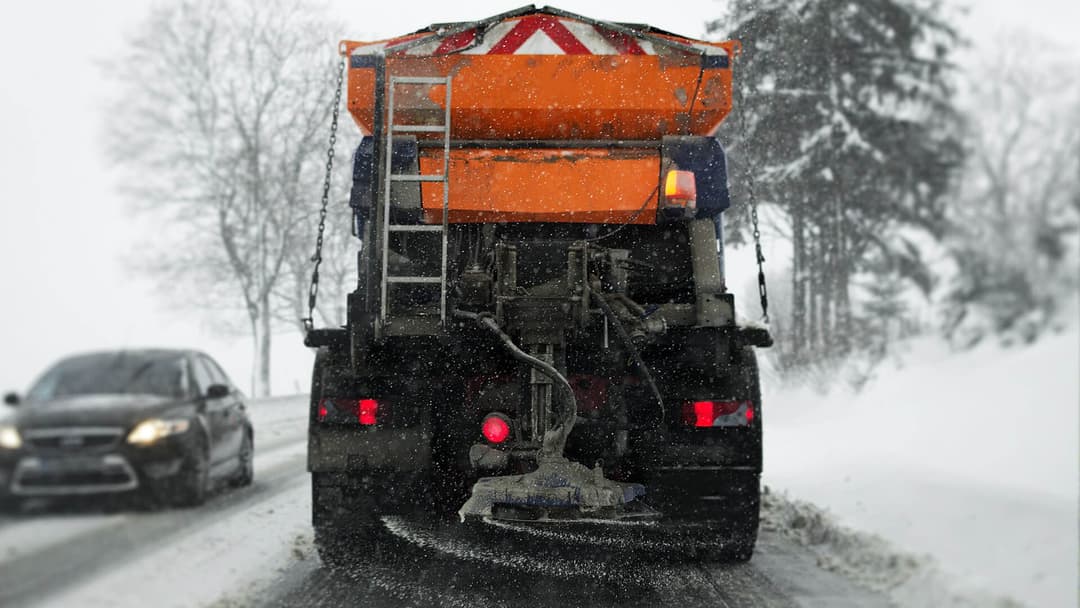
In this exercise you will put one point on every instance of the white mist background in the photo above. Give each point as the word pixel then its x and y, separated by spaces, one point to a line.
pixel 67 235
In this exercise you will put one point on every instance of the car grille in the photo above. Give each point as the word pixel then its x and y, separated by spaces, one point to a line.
pixel 74 439
pixel 60 475
pixel 84 478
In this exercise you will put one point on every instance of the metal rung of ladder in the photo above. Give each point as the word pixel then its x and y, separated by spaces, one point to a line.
pixel 406 279
pixel 419 80
pixel 418 129
pixel 415 228
pixel 391 177
pixel 404 177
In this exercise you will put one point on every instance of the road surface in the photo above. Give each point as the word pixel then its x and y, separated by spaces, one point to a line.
pixel 253 547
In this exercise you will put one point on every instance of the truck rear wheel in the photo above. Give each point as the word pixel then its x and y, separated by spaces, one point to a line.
pixel 347 526
pixel 344 528
pixel 723 497
pixel 737 518
pixel 716 513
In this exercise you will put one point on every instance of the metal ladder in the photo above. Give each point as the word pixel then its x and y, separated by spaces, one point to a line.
pixel 391 177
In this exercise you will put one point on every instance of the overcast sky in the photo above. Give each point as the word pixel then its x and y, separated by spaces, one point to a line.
pixel 66 233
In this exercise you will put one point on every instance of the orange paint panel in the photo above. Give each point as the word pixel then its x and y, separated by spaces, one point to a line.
pixel 641 97
pixel 506 185
pixel 361 97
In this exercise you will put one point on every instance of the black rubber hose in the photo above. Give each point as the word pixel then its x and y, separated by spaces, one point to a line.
pixel 562 430
pixel 625 337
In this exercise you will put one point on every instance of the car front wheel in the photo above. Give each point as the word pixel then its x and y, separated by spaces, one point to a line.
pixel 245 474
pixel 10 505
pixel 193 481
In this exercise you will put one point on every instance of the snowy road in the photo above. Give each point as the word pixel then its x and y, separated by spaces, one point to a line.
pixel 254 547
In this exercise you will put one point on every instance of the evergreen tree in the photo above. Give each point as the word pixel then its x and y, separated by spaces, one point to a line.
pixel 848 128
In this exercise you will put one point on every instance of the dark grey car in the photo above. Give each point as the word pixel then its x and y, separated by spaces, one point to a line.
pixel 165 423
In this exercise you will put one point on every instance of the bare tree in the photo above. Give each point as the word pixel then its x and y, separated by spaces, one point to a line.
pixel 221 119
pixel 337 273
pixel 1016 212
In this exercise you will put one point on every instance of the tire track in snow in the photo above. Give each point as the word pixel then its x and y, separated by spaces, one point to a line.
pixel 444 564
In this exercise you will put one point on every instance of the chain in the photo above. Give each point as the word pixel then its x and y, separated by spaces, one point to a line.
pixel 313 290
pixel 762 290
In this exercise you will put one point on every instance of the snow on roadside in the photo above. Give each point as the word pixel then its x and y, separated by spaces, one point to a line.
pixel 242 553
pixel 869 560
pixel 274 414
pixel 967 457
pixel 24 537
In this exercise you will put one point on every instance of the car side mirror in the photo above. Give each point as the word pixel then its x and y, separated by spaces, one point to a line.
pixel 11 399
pixel 217 391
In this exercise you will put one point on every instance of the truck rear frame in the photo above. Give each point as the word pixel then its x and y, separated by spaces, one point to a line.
pixel 460 294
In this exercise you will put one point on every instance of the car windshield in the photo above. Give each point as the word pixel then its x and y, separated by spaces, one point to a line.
pixel 112 374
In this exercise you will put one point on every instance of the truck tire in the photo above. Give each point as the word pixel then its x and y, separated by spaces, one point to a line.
pixel 347 526
pixel 738 523
pixel 344 514
pixel 743 512
pixel 719 519
pixel 726 502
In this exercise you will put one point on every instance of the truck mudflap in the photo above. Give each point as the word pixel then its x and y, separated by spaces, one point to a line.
pixel 357 450
pixel 676 489
pixel 735 448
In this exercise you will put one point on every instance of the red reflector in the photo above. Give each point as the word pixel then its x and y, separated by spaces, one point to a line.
pixel 705 413
pixel 365 413
pixel 495 429
pixel 334 410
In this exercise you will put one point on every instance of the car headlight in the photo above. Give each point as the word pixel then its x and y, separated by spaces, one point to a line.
pixel 154 429
pixel 10 438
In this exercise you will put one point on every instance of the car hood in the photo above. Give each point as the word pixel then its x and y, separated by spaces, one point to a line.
pixel 92 410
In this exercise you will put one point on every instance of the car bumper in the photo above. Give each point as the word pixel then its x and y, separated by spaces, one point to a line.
pixel 37 476
pixel 119 470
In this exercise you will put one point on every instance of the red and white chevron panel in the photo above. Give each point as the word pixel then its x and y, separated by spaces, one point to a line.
pixel 539 34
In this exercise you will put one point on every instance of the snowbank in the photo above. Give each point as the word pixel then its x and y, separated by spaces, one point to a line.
pixel 967 457
pixel 869 560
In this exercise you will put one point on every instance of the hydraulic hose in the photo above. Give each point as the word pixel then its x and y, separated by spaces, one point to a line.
pixel 625 337
pixel 555 439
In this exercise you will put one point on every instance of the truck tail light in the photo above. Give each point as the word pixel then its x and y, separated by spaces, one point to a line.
pixel 366 410
pixel 707 414
pixel 495 428
pixel 680 189
pixel 348 411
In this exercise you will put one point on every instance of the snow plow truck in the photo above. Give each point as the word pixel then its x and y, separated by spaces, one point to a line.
pixel 540 331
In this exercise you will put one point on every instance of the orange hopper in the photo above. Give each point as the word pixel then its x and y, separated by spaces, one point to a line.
pixel 554 116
